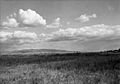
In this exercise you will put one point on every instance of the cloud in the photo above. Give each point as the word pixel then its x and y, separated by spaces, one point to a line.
pixel 86 34
pixel 5 36
pixel 24 34
pixel 94 32
pixel 31 17
pixel 25 18
pixel 18 37
pixel 99 31
pixel 64 35
pixel 11 22
pixel 55 24
pixel 85 17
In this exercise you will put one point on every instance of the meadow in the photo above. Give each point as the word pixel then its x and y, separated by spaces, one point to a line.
pixel 65 68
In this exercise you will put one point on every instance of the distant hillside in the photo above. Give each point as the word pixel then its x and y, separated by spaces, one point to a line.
pixel 52 51
pixel 38 51
pixel 112 51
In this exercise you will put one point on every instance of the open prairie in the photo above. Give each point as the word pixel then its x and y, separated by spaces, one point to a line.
pixel 65 68
pixel 59 41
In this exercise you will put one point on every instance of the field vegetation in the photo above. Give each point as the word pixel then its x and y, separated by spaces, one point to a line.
pixel 65 68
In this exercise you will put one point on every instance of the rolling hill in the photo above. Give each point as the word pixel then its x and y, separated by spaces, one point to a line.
pixel 37 51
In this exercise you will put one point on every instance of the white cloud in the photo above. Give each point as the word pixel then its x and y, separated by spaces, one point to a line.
pixel 93 32
pixel 85 18
pixel 5 36
pixel 25 37
pixel 43 36
pixel 16 39
pixel 18 36
pixel 24 34
pixel 31 17
pixel 86 33
pixel 11 22
pixel 55 24
pixel 25 18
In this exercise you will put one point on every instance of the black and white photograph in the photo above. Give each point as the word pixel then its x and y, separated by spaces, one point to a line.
pixel 59 41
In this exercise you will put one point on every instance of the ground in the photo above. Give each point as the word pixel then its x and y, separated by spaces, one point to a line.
pixel 71 68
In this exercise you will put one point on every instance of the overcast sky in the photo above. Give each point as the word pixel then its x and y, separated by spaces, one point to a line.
pixel 82 25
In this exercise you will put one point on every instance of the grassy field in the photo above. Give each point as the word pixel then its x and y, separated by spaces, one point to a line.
pixel 71 68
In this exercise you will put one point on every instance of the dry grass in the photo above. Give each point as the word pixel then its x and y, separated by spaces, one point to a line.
pixel 61 72
pixel 34 74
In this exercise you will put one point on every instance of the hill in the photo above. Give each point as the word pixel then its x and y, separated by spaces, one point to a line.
pixel 37 51
pixel 111 51
pixel 59 67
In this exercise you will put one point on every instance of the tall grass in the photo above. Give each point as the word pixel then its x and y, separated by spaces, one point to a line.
pixel 66 69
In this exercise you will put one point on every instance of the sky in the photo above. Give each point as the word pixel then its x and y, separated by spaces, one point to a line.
pixel 78 25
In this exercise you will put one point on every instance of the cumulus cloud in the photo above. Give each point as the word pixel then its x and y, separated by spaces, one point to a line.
pixel 5 36
pixel 55 24
pixel 24 34
pixel 86 33
pixel 85 17
pixel 10 22
pixel 18 36
pixel 16 39
pixel 24 18
pixel 31 17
